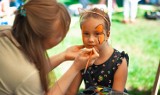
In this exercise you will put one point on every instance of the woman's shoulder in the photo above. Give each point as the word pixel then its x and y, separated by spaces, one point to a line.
pixel 3 32
pixel 31 85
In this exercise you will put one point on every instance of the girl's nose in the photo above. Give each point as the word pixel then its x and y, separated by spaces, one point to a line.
pixel 91 38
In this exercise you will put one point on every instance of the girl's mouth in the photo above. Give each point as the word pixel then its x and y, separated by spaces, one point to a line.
pixel 91 46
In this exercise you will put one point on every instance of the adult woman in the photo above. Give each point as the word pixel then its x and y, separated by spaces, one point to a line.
pixel 38 26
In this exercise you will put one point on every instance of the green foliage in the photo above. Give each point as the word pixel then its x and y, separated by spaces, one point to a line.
pixel 68 2
pixel 141 41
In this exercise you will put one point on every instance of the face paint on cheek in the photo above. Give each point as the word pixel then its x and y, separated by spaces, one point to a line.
pixel 101 38
pixel 99 29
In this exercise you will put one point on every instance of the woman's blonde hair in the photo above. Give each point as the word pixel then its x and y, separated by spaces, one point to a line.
pixel 35 25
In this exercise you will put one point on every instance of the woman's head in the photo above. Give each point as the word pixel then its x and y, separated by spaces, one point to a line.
pixel 95 26
pixel 40 25
pixel 44 19
pixel 49 20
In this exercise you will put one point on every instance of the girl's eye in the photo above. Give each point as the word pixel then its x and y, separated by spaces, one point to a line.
pixel 97 33
pixel 85 33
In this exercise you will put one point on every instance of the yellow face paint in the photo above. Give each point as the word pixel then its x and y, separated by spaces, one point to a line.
pixel 99 29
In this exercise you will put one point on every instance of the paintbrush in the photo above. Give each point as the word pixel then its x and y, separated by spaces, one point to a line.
pixel 87 62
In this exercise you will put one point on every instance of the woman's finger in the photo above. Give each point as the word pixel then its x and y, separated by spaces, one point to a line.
pixel 80 46
pixel 94 56
pixel 86 50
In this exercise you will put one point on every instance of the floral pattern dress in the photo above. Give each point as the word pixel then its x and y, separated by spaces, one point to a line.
pixel 103 74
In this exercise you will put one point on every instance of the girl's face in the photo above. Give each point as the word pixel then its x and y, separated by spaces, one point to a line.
pixel 93 33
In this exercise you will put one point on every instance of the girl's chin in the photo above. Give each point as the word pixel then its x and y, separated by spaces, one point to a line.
pixel 92 47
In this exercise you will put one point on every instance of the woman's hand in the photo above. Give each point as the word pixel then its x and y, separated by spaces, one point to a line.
pixel 84 55
pixel 72 52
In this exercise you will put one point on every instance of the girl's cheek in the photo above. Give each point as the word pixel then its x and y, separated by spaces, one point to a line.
pixel 83 39
pixel 101 39
pixel 82 33
pixel 99 29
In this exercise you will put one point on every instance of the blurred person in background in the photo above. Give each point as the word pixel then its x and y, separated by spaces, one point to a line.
pixel 4 6
pixel 114 4
pixel 16 3
pixel 6 12
pixel 130 8
pixel 84 3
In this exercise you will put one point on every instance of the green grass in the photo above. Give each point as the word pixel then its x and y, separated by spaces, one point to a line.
pixel 69 2
pixel 140 40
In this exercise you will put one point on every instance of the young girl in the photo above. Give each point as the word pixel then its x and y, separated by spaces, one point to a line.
pixel 110 69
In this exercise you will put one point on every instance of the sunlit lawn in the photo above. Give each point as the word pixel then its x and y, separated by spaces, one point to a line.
pixel 140 40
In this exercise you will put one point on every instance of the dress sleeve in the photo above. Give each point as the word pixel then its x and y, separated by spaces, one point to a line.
pixel 125 55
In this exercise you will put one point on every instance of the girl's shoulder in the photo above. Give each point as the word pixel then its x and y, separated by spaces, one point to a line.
pixel 117 55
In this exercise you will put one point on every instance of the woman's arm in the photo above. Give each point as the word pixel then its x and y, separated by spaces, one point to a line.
pixel 68 54
pixel 120 77
pixel 74 87
pixel 62 85
pixel 57 59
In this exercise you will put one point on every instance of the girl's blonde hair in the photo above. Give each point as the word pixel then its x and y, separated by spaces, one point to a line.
pixel 98 14
pixel 35 25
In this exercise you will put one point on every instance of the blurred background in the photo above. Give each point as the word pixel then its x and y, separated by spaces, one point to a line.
pixel 139 38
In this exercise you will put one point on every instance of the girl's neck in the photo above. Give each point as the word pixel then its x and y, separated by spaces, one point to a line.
pixel 105 54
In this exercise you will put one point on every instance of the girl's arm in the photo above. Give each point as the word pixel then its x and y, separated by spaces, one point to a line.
pixel 120 77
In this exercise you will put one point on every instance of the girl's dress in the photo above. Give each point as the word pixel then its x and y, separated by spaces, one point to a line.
pixel 103 74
